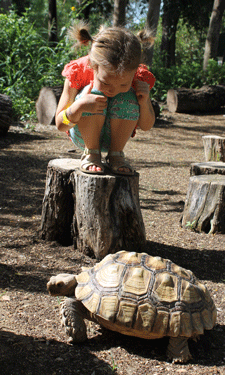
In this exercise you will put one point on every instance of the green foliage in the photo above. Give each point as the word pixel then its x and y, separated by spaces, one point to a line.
pixel 188 71
pixel 28 62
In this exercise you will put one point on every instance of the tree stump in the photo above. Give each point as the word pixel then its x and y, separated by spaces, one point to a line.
pixel 100 214
pixel 210 167
pixel 204 209
pixel 206 99
pixel 47 103
pixel 214 148
pixel 6 113
pixel 58 205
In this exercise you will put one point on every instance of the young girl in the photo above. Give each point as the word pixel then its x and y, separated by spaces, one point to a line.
pixel 105 97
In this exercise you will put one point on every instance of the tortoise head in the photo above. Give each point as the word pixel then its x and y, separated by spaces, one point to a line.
pixel 62 285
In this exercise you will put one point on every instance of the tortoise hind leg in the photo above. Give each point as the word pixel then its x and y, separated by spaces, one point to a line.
pixel 178 350
pixel 72 318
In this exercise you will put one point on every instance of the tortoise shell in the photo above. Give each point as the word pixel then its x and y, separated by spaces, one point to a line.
pixel 149 297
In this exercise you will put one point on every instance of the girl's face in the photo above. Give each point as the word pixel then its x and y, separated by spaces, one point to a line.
pixel 112 84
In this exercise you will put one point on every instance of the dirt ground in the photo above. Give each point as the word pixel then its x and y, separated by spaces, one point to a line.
pixel 32 341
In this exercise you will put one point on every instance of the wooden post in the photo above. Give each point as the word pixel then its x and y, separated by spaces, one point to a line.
pixel 204 209
pixel 214 148
pixel 100 213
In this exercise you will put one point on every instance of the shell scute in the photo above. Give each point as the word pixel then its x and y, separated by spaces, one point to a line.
pixel 181 271
pixel 108 307
pixel 165 287
pixel 126 313
pixel 129 257
pixel 208 318
pixel 155 263
pixel 83 277
pixel 145 317
pixel 110 275
pixel 83 291
pixel 160 327
pixel 92 303
pixel 198 328
pixel 180 324
pixel 136 281
pixel 189 292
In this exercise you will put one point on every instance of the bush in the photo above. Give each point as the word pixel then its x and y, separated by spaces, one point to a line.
pixel 27 62
pixel 189 69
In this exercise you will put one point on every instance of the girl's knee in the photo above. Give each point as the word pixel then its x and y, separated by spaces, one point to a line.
pixel 124 106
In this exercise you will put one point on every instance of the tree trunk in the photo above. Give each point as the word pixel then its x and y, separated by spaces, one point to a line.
pixel 5 114
pixel 214 148
pixel 212 39
pixel 204 209
pixel 170 18
pixel 151 25
pixel 206 99
pixel 52 22
pixel 102 210
pixel 47 103
pixel 119 13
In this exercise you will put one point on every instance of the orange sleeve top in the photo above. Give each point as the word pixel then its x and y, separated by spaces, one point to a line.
pixel 80 74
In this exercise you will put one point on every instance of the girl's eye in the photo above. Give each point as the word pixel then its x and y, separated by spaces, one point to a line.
pixel 103 83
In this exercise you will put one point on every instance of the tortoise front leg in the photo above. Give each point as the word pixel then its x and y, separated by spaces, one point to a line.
pixel 178 350
pixel 72 318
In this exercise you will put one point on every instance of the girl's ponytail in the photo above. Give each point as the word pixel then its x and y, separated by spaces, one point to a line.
pixel 80 32
pixel 146 37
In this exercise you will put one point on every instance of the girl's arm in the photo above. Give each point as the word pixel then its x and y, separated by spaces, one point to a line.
pixel 147 114
pixel 67 98
pixel 87 103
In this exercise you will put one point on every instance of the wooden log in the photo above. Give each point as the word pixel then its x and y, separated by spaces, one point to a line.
pixel 47 103
pixel 204 209
pixel 48 100
pixel 210 167
pixel 207 99
pixel 6 114
pixel 214 148
pixel 105 215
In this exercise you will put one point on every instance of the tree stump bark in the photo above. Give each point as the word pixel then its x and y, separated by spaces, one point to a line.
pixel 206 99
pixel 58 205
pixel 47 103
pixel 104 216
pixel 209 167
pixel 6 113
pixel 204 209
pixel 214 148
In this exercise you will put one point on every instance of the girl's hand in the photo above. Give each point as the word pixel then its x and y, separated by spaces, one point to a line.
pixel 93 103
pixel 142 91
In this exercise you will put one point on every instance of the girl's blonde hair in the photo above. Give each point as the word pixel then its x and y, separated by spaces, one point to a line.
pixel 116 49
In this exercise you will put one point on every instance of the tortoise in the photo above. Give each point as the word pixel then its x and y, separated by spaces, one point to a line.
pixel 138 295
